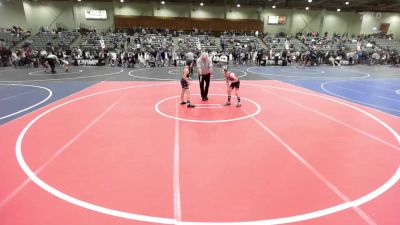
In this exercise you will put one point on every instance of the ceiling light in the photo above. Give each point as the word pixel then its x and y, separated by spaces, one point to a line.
pixel 201 4
pixel 309 1
pixel 238 5
pixel 338 10
pixel 307 8
pixel 274 6
pixel 162 2
pixel 347 3
pixel 121 1
pixel 79 0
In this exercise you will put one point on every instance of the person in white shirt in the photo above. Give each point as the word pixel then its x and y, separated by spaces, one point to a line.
pixel 205 70
pixel 190 56
pixel 223 59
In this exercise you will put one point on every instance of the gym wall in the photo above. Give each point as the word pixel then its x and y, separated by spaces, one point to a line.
pixel 31 14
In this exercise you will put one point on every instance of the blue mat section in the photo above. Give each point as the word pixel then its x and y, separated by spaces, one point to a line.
pixel 15 101
pixel 380 94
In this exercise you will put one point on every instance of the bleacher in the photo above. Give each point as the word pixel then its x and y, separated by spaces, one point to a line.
pixel 388 44
pixel 197 43
pixel 154 41
pixel 62 39
pixel 322 44
pixel 9 39
pixel 279 43
pixel 232 42
pixel 94 41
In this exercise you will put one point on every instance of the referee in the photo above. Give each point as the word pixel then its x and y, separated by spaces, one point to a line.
pixel 204 67
pixel 52 60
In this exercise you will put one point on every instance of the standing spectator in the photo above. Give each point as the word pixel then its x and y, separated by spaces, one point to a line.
pixel 190 56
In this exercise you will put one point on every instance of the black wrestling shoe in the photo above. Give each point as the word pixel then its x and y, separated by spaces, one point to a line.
pixel 238 104
pixel 183 103
pixel 191 106
pixel 227 103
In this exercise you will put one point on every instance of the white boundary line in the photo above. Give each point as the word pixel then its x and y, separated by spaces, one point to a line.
pixel 363 93
pixel 314 171
pixel 323 87
pixel 302 217
pixel 306 77
pixel 168 79
pixel 32 106
pixel 376 87
pixel 66 78
pixel 59 151
pixel 176 178
pixel 157 108
pixel 53 74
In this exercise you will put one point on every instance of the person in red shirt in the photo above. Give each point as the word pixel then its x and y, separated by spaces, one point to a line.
pixel 232 82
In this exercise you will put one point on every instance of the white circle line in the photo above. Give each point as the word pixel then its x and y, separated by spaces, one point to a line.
pixel 156 107
pixel 305 77
pixel 169 79
pixel 44 74
pixel 324 88
pixel 171 72
pixel 71 199
pixel 66 78
pixel 307 216
pixel 32 106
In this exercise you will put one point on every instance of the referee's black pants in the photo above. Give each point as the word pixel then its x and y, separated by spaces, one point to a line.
pixel 204 79
pixel 52 65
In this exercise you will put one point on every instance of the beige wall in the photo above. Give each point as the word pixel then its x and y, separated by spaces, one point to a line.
pixel 40 14
pixel 342 22
pixel 170 10
pixel 208 12
pixel 242 13
pixel 70 14
pixel 371 20
pixel 12 14
pixel 79 14
pixel 31 14
pixel 133 9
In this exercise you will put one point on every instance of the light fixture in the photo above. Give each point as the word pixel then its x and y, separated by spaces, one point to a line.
pixel 274 6
pixel 79 0
pixel 238 5
pixel 162 3
pixel 338 10
pixel 121 1
pixel 309 1
pixel 307 8
pixel 347 3
pixel 201 4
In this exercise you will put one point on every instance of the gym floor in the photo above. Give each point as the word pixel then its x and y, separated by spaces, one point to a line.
pixel 103 145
